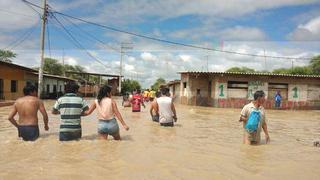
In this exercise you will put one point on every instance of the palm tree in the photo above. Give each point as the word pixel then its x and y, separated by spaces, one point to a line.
pixel 6 55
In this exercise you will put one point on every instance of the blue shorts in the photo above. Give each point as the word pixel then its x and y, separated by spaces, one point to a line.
pixel 108 127
pixel 28 132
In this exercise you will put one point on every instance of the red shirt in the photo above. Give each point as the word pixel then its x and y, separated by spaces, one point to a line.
pixel 136 102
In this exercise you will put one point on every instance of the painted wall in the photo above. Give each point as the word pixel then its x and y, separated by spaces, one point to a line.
pixel 301 93
pixel 7 74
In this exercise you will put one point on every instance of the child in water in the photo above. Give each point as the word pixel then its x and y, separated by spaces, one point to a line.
pixel 107 110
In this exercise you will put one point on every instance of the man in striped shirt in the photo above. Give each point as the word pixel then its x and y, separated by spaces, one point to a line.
pixel 70 107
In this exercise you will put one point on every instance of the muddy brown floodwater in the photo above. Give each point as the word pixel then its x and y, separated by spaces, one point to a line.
pixel 206 143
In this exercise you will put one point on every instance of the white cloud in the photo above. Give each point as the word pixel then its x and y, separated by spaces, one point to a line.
pixel 148 56
pixel 242 33
pixel 139 11
pixel 71 61
pixel 309 31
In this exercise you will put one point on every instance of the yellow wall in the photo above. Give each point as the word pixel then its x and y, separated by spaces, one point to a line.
pixel 7 74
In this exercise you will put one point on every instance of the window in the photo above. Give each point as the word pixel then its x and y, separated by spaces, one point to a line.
pixel 209 88
pixel 54 88
pixel 14 84
pixel 198 92
pixel 237 85
pixel 60 89
pixel 237 89
pixel 282 88
pixel 185 85
pixel 1 89
pixel 48 88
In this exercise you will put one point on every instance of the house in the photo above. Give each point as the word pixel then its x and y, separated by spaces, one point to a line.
pixel 234 89
pixel 14 77
pixel 174 87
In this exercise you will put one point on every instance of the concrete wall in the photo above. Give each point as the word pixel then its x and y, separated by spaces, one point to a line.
pixel 7 74
pixel 299 93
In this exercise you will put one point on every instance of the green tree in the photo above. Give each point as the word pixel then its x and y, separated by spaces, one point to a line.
pixel 6 55
pixel 52 66
pixel 315 65
pixel 241 69
pixel 302 70
pixel 158 83
pixel 129 85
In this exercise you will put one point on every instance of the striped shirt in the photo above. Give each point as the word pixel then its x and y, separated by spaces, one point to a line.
pixel 70 107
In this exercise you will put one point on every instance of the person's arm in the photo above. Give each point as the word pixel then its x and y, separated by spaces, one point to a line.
pixel 55 109
pixel 44 115
pixel 13 112
pixel 118 115
pixel 90 110
pixel 144 106
pixel 174 112
pixel 151 108
pixel 244 115
pixel 265 129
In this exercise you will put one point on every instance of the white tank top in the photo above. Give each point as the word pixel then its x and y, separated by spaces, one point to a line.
pixel 105 111
pixel 165 112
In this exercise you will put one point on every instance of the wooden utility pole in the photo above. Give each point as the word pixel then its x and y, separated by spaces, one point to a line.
pixel 43 29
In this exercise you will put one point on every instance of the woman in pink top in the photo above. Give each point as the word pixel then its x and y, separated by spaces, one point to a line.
pixel 107 110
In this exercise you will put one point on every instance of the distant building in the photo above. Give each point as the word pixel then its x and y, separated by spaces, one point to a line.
pixel 14 77
pixel 232 89
pixel 174 87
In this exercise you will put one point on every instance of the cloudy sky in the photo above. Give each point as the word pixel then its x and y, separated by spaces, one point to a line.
pixel 289 28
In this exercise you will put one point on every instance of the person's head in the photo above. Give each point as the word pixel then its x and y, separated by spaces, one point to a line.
pixel 30 90
pixel 158 94
pixel 138 91
pixel 72 87
pixel 104 91
pixel 164 91
pixel 259 97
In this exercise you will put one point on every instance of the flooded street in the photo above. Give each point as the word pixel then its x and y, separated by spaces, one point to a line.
pixel 206 143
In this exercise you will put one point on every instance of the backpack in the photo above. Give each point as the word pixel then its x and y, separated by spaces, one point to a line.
pixel 253 121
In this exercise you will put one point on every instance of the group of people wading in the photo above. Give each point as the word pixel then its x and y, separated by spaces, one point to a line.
pixel 71 107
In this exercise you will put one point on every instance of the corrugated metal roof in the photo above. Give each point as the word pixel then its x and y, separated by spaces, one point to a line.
pixel 18 66
pixel 252 74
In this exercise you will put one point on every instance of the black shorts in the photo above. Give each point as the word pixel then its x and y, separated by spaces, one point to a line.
pixel 28 132
pixel 171 124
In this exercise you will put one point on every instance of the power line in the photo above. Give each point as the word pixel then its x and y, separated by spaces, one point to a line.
pixel 91 36
pixel 78 43
pixel 172 42
pixel 22 38
pixel 17 13
pixel 177 43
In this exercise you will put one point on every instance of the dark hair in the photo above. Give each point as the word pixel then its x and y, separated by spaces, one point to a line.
pixel 258 94
pixel 158 94
pixel 138 91
pixel 164 91
pixel 104 91
pixel 28 89
pixel 72 87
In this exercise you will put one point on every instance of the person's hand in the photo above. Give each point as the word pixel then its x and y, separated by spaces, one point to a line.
pixel 267 139
pixel 46 127
pixel 175 118
pixel 126 127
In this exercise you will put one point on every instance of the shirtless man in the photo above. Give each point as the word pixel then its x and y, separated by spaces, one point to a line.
pixel 153 109
pixel 27 108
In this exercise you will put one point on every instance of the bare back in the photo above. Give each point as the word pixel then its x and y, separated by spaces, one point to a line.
pixel 27 108
pixel 105 110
